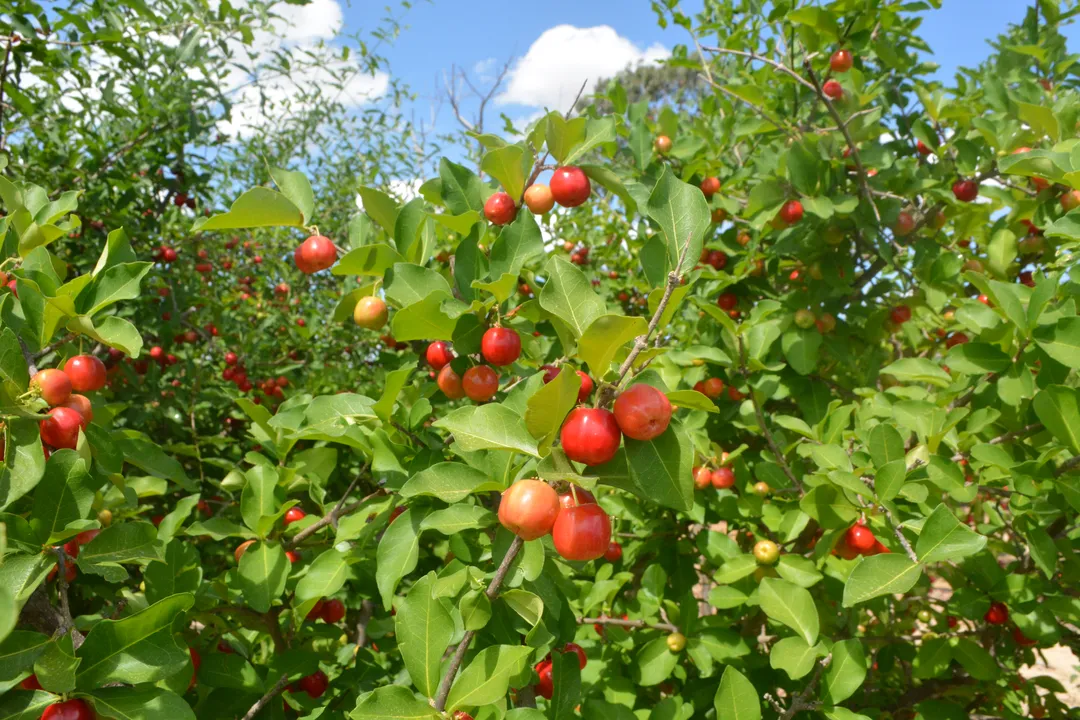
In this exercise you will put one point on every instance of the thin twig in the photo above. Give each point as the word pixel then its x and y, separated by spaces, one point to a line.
pixel 754 56
pixel 799 703
pixel 273 692
pixel 900 536
pixel 65 607
pixel 1067 466
pixel 463 646
pixel 756 108
pixel 667 627
pixel 332 517
pixel 28 357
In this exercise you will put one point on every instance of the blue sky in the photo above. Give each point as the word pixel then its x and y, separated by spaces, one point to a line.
pixel 557 42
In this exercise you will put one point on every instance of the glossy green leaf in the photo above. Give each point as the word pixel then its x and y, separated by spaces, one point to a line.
pixel 943 537
pixel 487 676
pixel 880 575
pixel 791 605
pixel 491 426
pixel 736 698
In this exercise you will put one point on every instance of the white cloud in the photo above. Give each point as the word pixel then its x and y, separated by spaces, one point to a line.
pixel 563 57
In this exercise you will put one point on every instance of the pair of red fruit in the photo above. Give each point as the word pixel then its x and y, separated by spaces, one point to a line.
pixel 580 529
pixel 859 540
pixel 721 478
pixel 546 687
pixel 329 611
pixel 70 412
pixel 569 187
pixel 499 346
pixel 592 435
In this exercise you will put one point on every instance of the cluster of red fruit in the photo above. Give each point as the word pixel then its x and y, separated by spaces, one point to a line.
pixel 713 388
pixel 499 346
pixel 165 254
pixel 592 435
pixel 569 188
pixel 235 373
pixel 330 611
pixel 859 540
pixel 546 687
pixel 70 411
pixel 579 527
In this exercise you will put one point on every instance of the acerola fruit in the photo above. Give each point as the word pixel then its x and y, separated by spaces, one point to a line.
pixel 480 383
pixel 662 143
pixel 500 209
pixel 642 412
pixel 833 90
pixel 727 301
pixel 54 386
pixel 501 346
pixel 717 259
pixel 710 186
pixel 1070 200
pixel 528 509
pixel 905 223
pixel 804 318
pixel 333 611
pixel 586 387
pixel 294 514
pixel 702 478
pixel 955 339
pixel 315 254
pixel 61 428
pixel 88 535
pixel 590 435
pixel 570 186
pixel 676 641
pixel 538 199
pixel 900 314
pixel 462 715
pixel 841 61
pixel 546 687
pixel 712 388
pixel 576 496
pixel 370 312
pixel 80 404
pixel 579 651
pixel 922 148
pixel 965 190
pixel 761 488
pixel 1021 639
pixel 242 548
pixel 791 212
pixel 450 383
pixel 85 372
pixel 582 533
pixel 293 556
pixel 860 538
pixel 722 478
pixel 315 684
pixel 68 710
pixel 766 552
pixel 613 552
pixel 317 610
pixel 998 614
pixel 438 354
pixel 31 683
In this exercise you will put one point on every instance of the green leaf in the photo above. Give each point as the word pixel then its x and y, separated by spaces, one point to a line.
pixel 880 575
pixel 262 574
pixel 510 165
pixel 424 630
pixel 662 468
pixel 569 296
pixel 325 576
pixel 1061 341
pixel 975 659
pixel 885 445
pixel 64 495
pixel 829 506
pixel 547 407
pixel 564 135
pixel 381 207
pixel 12 363
pixel 450 482
pixel 25 705
pixel 791 605
pixel 692 400
pixel 654 663
pixel 143 702
pixel 119 282
pixel 140 648
pixel 55 668
pixel 918 370
pixel 457 518
pixel 943 537
pixel 527 605
pixel 475 610
pixel 603 338
pixel 124 543
pixel 566 681
pixel 398 553
pixel 221 670
pixel 890 478
pixel 598 131
pixel 21 574
pixel 180 572
pixel 798 570
pixel 258 207
pixel 424 320
pixel 1058 408
pixel 116 332
pixel 683 214
pixel 367 260
pixel 801 349
pixel 519 243
pixel 295 186
pixel 933 658
pixel 21 648
pixel 462 190
pixel 794 656
pixel 501 289
pixel 393 701
pixel 736 698
pixel 846 672
pixel 487 677
pixel 977 358
pixel 257 500
pixel 485 427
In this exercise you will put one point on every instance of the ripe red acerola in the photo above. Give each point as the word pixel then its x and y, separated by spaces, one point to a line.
pixel 576 496
pixel 61 428
pixel 570 186
pixel 500 346
pixel 579 651
pixel 662 143
pixel 955 339
pixel 833 90
pixel 722 478
pixel 54 386
pixel 31 683
pixel 68 710
pixel 293 514
pixel 642 412
pixel 80 404
pixel 702 478
pixel 590 435
pixel 717 259
pixel 860 538
pixel 85 372
pixel 841 61
pixel 315 254
pixel 905 223
pixel 900 314
pixel 450 383
pixel 528 509
pixel 293 556
pixel 791 212
pixel 965 190
pixel 546 687
pixel 613 552
pixel 710 186
pixel 712 388
pixel 499 209
pixel 438 354
pixel 333 611
pixel 480 383
pixel 727 301
pixel 582 533
pixel 922 148
pixel 998 614
pixel 315 684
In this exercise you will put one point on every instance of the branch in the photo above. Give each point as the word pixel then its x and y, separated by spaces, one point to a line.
pixel 667 627
pixel 764 428
pixel 1034 427
pixel 463 646
pixel 754 56
pixel 68 625
pixel 759 110
pixel 340 510
pixel 28 357
pixel 3 79
pixel 799 703
pixel 273 692
pixel 1067 466
pixel 900 536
